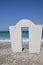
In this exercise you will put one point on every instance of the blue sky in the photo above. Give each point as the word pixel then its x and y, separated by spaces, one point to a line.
pixel 11 11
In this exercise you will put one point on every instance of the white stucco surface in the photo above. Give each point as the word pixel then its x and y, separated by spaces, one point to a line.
pixel 35 32
pixel 15 39
pixel 35 39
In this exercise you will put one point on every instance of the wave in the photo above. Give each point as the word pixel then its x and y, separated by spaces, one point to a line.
pixel 24 40
pixel 5 40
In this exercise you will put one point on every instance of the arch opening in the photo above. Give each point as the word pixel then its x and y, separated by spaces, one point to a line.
pixel 25 37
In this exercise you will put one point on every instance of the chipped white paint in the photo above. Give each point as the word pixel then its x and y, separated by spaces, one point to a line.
pixel 35 32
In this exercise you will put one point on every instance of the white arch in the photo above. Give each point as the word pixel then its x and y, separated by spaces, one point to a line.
pixel 34 36
pixel 25 23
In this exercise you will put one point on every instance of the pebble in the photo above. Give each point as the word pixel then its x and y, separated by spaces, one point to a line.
pixel 23 58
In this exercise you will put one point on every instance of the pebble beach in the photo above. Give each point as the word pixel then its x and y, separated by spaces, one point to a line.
pixel 7 57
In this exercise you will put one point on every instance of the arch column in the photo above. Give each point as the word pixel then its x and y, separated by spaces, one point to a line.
pixel 15 36
pixel 35 34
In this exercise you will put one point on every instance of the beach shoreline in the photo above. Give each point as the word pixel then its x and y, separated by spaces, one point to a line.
pixel 8 40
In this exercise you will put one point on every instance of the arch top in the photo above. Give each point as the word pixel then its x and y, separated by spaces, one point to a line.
pixel 25 22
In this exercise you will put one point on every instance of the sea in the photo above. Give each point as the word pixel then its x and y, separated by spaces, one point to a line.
pixel 5 35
